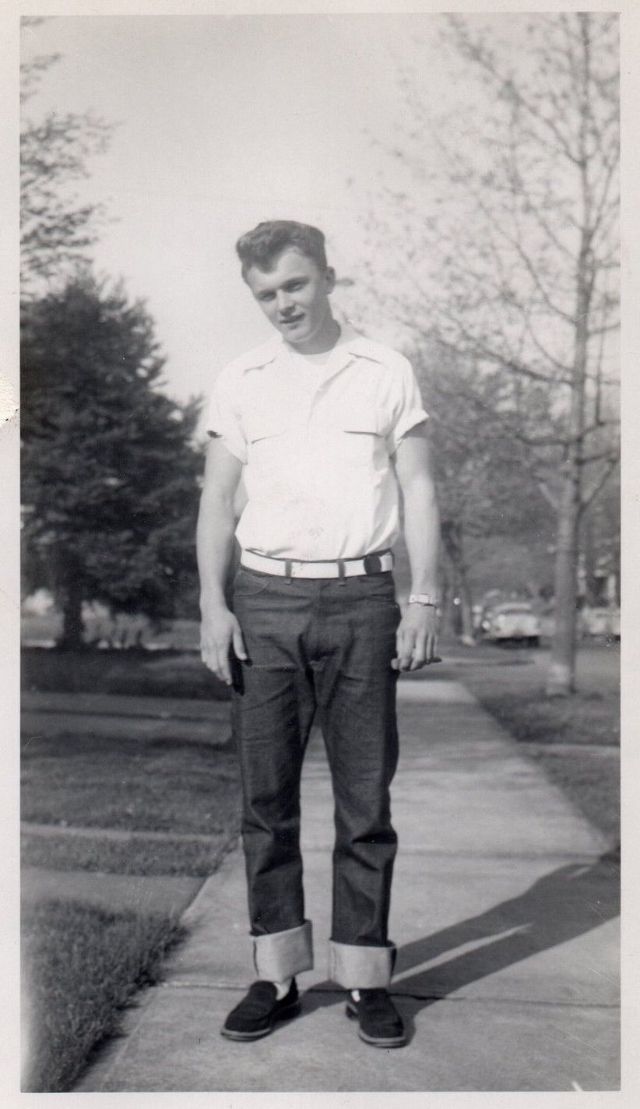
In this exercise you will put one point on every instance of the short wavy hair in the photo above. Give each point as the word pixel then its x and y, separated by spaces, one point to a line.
pixel 261 246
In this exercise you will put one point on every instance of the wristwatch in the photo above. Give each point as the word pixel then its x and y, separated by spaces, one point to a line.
pixel 427 599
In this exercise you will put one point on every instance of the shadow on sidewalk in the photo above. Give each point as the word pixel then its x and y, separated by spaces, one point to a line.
pixel 563 904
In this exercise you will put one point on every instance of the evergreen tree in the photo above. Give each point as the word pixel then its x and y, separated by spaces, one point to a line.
pixel 110 471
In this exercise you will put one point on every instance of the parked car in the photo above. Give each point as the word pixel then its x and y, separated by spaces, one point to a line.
pixel 511 621
pixel 600 621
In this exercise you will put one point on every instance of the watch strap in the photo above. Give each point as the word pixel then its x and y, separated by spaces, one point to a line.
pixel 427 599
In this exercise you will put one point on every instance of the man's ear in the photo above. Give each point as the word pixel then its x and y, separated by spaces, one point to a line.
pixel 330 278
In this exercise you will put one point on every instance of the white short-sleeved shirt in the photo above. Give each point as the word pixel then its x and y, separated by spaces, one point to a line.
pixel 316 443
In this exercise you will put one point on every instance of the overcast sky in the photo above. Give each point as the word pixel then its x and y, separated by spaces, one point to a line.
pixel 222 122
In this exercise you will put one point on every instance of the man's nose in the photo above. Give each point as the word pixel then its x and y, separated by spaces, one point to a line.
pixel 285 302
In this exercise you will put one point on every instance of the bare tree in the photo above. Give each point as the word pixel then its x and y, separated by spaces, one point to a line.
pixel 485 485
pixel 56 228
pixel 509 231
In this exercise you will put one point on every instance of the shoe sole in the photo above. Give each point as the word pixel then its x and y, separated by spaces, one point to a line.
pixel 376 1041
pixel 284 1014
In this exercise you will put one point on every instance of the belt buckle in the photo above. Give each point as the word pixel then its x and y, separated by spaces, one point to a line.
pixel 372 563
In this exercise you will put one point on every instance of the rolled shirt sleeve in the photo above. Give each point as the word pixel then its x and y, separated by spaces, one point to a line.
pixel 404 404
pixel 223 418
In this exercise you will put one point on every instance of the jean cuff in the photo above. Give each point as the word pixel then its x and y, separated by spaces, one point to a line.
pixel 360 967
pixel 280 955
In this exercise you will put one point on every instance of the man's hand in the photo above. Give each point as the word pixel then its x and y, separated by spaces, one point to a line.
pixel 416 638
pixel 219 632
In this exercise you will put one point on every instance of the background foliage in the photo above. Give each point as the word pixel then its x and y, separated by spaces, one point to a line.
pixel 110 472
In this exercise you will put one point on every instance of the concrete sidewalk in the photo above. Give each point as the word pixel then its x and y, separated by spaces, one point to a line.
pixel 504 911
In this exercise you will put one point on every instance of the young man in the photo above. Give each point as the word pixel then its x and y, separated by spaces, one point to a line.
pixel 327 430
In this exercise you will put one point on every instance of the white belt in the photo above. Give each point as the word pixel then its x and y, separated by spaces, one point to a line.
pixel 376 563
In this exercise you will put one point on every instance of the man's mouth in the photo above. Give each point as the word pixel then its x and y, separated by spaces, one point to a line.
pixel 291 321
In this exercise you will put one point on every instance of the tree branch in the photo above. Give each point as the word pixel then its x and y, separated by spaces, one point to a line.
pixel 480 349
pixel 587 459
pixel 589 498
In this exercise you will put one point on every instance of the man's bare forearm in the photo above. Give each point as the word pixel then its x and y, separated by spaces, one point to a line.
pixel 216 524
pixel 416 635
pixel 422 534
pixel 220 633
pixel 214 545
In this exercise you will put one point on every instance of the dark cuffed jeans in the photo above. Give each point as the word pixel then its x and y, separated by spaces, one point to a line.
pixel 325 645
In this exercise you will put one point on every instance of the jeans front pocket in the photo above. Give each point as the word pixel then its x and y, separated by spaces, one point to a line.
pixel 379 589
pixel 250 583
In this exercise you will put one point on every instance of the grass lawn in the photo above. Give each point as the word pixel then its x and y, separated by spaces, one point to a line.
pixel 81 965
pixel 585 718
pixel 591 781
pixel 575 739
pixel 130 783
pixel 180 789
pixel 99 854
pixel 145 673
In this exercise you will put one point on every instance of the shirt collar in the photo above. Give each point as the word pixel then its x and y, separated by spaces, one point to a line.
pixel 356 344
pixel 350 344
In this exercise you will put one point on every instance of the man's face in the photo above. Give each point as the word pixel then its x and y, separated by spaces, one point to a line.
pixel 294 297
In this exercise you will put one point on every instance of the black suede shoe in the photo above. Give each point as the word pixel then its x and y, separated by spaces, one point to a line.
pixel 380 1022
pixel 257 1013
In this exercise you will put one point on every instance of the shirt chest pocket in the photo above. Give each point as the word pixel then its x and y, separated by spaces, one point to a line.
pixel 268 439
pixel 340 439
pixel 359 440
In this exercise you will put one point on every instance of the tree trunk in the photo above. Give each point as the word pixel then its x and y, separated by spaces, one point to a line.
pixel 561 674
pixel 466 608
pixel 453 544
pixel 72 628
pixel 561 678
